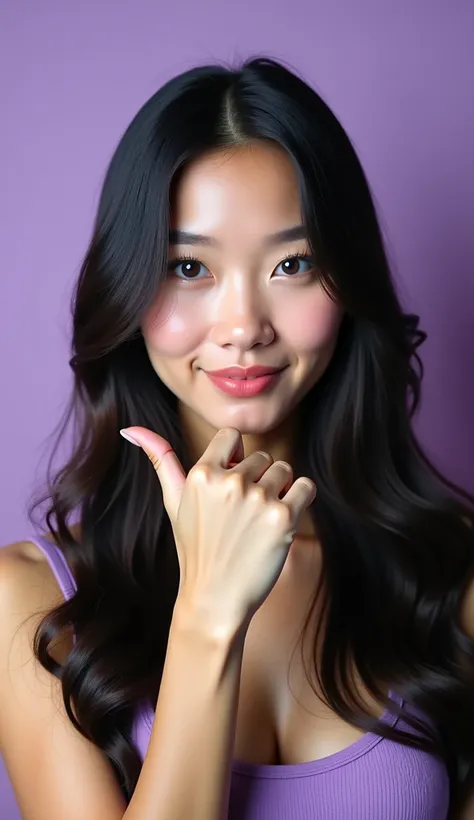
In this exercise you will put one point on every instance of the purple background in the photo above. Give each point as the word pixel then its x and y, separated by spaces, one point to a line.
pixel 398 75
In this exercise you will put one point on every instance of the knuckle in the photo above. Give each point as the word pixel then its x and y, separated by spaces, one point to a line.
pixel 233 481
pixel 279 514
pixel 154 460
pixel 257 494
pixel 200 473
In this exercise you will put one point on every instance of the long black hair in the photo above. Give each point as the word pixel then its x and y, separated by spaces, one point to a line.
pixel 397 536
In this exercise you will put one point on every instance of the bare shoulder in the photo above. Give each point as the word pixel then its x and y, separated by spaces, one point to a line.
pixel 25 573
pixel 26 577
pixel 26 553
pixel 28 592
pixel 44 754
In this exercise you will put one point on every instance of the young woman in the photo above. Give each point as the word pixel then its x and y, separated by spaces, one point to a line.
pixel 266 608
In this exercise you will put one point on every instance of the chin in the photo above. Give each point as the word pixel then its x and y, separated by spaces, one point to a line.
pixel 248 423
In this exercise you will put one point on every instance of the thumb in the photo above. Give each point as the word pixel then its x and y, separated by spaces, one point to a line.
pixel 166 463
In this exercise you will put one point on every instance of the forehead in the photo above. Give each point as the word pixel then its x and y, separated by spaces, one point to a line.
pixel 252 188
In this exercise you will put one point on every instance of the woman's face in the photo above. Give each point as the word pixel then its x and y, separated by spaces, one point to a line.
pixel 245 296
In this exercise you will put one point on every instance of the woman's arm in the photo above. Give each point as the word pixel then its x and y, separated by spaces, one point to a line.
pixel 58 775
pixel 186 773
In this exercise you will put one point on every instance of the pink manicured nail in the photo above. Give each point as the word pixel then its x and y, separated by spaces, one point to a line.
pixel 129 437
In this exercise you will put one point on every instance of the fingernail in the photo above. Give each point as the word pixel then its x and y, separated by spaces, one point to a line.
pixel 129 437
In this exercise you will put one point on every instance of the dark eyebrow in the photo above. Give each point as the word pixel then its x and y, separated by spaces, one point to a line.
pixel 187 238
pixel 287 235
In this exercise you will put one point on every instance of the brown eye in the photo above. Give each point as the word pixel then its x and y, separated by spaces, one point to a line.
pixel 187 268
pixel 291 266
pixel 295 265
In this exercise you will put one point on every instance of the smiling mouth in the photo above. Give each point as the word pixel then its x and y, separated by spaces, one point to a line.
pixel 245 387
pixel 244 374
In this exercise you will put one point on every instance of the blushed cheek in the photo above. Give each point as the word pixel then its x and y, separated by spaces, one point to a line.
pixel 172 326
pixel 310 324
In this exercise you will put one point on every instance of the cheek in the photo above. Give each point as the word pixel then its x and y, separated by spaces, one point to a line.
pixel 172 326
pixel 310 323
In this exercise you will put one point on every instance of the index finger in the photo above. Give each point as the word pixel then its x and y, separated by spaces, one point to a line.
pixel 226 445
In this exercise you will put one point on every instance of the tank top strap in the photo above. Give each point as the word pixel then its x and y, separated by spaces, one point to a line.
pixel 58 564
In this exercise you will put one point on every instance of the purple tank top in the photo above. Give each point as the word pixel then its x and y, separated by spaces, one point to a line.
pixel 372 779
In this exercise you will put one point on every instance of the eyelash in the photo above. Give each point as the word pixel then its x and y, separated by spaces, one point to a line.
pixel 177 260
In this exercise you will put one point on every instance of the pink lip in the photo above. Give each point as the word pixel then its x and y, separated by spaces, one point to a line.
pixel 236 372
pixel 244 388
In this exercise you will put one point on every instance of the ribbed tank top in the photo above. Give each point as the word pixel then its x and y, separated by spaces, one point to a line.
pixel 372 779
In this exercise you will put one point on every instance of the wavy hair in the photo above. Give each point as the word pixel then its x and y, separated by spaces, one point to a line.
pixel 397 536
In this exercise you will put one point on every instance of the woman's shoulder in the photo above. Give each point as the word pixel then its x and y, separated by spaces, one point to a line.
pixel 27 551
pixel 25 557
pixel 27 579
pixel 28 590
pixel 22 555
pixel 34 725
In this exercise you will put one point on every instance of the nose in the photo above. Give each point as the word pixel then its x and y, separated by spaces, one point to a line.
pixel 242 319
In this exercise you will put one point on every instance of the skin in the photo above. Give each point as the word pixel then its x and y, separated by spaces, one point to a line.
pixel 239 303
